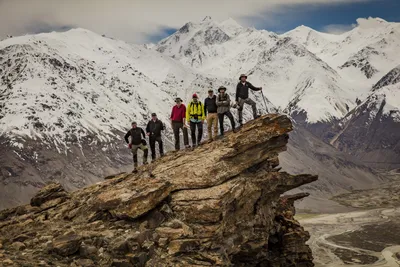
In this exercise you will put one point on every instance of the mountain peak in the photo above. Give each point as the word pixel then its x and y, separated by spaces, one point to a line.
pixel 230 26
pixel 207 18
pixel 370 23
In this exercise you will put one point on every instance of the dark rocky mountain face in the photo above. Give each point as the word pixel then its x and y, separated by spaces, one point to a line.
pixel 23 172
pixel 190 208
pixel 375 142
pixel 361 62
pixel 392 77
pixel 371 131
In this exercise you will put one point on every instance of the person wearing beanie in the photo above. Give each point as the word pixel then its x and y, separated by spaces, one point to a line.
pixel 195 117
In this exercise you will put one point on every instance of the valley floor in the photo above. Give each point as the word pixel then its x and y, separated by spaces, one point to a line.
pixel 362 238
pixel 367 237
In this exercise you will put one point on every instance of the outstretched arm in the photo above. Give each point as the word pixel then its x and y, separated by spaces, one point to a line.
pixel 252 87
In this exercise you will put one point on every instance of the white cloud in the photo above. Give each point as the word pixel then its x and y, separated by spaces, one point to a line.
pixel 132 20
pixel 338 28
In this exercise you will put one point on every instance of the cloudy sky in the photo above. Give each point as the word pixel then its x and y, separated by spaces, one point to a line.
pixel 141 21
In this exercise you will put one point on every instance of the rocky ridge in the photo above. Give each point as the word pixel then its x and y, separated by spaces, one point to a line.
pixel 218 205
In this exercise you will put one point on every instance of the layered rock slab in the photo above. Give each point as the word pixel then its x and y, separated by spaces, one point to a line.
pixel 218 205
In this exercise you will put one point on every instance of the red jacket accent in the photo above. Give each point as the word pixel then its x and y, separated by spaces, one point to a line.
pixel 178 114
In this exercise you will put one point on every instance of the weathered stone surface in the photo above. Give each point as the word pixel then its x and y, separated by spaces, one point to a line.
pixel 121 263
pixel 7 262
pixel 87 251
pixel 51 191
pixel 84 263
pixel 218 205
pixel 66 245
pixel 18 246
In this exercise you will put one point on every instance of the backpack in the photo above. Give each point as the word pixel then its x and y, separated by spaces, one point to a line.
pixel 196 116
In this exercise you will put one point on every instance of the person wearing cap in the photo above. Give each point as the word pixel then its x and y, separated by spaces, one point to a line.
pixel 224 105
pixel 136 143
pixel 242 97
pixel 153 130
pixel 178 122
pixel 195 116
pixel 210 111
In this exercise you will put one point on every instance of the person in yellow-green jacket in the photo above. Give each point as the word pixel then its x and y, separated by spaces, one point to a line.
pixel 195 116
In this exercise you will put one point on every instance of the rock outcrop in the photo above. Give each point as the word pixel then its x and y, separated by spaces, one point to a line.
pixel 218 205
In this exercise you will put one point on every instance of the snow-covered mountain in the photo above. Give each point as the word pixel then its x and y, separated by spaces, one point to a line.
pixel 66 99
pixel 372 130
pixel 362 56
pixel 315 77
pixel 294 77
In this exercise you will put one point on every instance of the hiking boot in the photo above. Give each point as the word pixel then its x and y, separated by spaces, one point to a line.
pixel 235 130
pixel 187 146
pixel 257 116
pixel 135 170
pixel 145 163
pixel 162 155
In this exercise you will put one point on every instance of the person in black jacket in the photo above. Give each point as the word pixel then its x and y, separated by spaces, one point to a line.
pixel 210 110
pixel 153 129
pixel 137 142
pixel 242 97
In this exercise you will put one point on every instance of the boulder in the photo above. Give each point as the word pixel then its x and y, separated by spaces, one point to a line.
pixel 66 245
pixel 50 192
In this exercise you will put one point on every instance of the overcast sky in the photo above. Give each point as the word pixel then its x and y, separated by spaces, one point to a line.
pixel 141 21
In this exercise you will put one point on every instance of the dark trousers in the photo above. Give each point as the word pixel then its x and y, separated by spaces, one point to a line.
pixel 221 117
pixel 199 126
pixel 247 101
pixel 176 126
pixel 153 140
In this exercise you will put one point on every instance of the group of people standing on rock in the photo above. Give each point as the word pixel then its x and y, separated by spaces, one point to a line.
pixel 213 110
